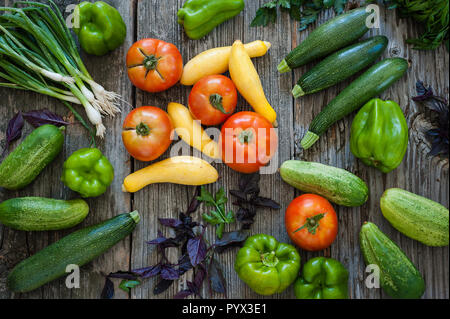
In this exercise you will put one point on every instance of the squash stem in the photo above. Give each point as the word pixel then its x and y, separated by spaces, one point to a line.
pixel 283 67
pixel 297 91
pixel 309 140
pixel 135 216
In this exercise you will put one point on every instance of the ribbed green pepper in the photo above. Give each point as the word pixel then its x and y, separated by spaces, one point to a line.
pixel 322 278
pixel 267 266
pixel 101 28
pixel 88 172
pixel 379 135
pixel 199 17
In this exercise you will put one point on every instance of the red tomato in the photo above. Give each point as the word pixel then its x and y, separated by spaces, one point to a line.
pixel 147 133
pixel 248 142
pixel 154 65
pixel 311 222
pixel 213 99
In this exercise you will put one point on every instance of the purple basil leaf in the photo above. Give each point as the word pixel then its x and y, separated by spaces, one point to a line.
pixel 249 184
pixel 183 294
pixel 232 238
pixel 42 117
pixel 14 130
pixel 238 194
pixel 168 272
pixel 148 272
pixel 195 204
pixel 199 277
pixel 173 223
pixel 184 264
pixel 265 202
pixel 123 275
pixel 215 277
pixel 162 286
pixel 108 289
pixel 196 248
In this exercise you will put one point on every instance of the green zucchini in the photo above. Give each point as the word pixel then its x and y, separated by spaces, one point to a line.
pixel 78 248
pixel 341 65
pixel 335 184
pixel 417 217
pixel 372 83
pixel 42 214
pixel 399 278
pixel 331 36
pixel 27 161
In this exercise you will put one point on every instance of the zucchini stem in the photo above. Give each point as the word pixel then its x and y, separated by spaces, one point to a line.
pixel 297 91
pixel 283 67
pixel 309 140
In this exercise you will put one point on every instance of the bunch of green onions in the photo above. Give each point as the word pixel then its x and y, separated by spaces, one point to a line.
pixel 38 53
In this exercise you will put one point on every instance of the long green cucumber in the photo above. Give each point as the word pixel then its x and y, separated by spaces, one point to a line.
pixel 341 65
pixel 369 85
pixel 27 161
pixel 417 217
pixel 42 214
pixel 331 36
pixel 399 278
pixel 78 248
pixel 335 184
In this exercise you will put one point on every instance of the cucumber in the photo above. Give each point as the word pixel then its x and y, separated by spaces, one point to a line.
pixel 417 217
pixel 27 161
pixel 399 278
pixel 335 184
pixel 331 36
pixel 341 65
pixel 372 83
pixel 78 248
pixel 42 214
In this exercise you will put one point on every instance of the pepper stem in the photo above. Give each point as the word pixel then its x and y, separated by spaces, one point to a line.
pixel 143 129
pixel 312 223
pixel 216 101
pixel 269 259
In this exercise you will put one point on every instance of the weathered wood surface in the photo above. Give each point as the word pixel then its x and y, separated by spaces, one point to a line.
pixel 152 18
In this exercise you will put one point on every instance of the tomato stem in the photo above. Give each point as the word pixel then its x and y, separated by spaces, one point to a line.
pixel 216 101
pixel 246 136
pixel 150 62
pixel 143 129
pixel 312 224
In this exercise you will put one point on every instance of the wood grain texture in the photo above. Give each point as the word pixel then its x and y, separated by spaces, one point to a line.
pixel 156 19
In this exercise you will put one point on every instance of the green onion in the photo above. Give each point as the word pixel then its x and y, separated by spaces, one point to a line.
pixel 38 53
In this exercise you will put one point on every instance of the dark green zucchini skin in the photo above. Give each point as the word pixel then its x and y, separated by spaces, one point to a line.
pixel 42 214
pixel 27 161
pixel 78 248
pixel 341 65
pixel 370 84
pixel 399 278
pixel 331 36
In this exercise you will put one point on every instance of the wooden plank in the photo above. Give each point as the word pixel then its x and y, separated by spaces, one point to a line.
pixel 108 71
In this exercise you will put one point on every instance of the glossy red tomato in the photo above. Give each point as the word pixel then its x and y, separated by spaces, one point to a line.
pixel 311 222
pixel 154 65
pixel 213 99
pixel 147 133
pixel 248 142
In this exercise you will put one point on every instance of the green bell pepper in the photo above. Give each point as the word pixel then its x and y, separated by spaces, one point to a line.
pixel 199 17
pixel 88 172
pixel 101 28
pixel 322 278
pixel 379 135
pixel 267 266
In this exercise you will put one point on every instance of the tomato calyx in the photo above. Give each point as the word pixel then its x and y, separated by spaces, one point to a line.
pixel 312 224
pixel 151 62
pixel 269 259
pixel 246 136
pixel 216 101
pixel 143 129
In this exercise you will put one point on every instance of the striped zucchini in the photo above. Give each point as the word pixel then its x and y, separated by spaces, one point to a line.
pixel 340 66
pixel 42 214
pixel 335 184
pixel 417 217
pixel 399 278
